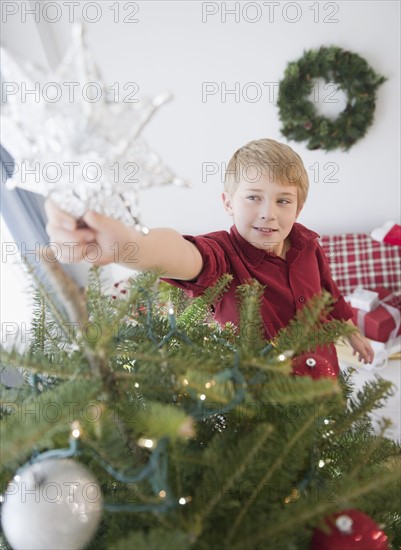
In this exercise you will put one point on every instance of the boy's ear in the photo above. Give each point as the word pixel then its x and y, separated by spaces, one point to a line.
pixel 227 203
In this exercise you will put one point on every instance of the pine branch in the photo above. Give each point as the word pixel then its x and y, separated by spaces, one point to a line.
pixel 75 305
pixel 251 324
pixel 279 462
pixel 39 323
pixel 61 364
pixel 370 450
pixel 199 308
pixel 34 423
pixel 177 296
pixel 48 300
pixel 310 327
pixel 97 302
pixel 155 539
pixel 286 390
pixel 160 420
pixel 367 399
pixel 264 433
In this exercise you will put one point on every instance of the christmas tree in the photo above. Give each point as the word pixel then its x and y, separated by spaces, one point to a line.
pixel 142 424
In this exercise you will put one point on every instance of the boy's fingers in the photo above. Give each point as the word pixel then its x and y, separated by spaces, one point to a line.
pixel 59 235
pixel 56 216
pixel 93 219
pixel 369 357
pixel 99 222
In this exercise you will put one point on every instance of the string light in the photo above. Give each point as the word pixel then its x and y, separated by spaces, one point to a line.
pixel 185 382
pixel 156 467
pixel 76 429
pixel 293 496
pixel 136 385
pixel 285 355
pixel 322 463
pixel 202 397
pixel 147 443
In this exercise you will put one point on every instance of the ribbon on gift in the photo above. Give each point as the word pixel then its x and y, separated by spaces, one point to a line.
pixel 393 311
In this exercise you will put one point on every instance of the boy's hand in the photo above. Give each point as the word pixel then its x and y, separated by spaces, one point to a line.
pixel 97 239
pixel 361 345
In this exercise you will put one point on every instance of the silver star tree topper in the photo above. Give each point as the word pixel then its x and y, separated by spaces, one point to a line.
pixel 78 141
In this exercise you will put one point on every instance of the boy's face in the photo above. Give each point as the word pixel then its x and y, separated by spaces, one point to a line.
pixel 263 211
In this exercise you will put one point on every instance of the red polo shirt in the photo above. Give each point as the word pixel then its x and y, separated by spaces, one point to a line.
pixel 288 282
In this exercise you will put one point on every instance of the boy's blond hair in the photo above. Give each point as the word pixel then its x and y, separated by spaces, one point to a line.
pixel 267 157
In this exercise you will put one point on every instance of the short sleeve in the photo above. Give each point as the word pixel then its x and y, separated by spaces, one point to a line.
pixel 341 310
pixel 215 264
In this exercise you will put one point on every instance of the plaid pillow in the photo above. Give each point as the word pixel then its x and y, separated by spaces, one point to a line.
pixel 355 259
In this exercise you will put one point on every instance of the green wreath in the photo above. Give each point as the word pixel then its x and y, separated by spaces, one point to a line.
pixel 301 122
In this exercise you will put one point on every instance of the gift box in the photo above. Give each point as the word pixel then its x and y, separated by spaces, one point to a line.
pixel 384 322
pixel 367 300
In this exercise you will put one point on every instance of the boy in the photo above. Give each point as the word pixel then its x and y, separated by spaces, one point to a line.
pixel 266 187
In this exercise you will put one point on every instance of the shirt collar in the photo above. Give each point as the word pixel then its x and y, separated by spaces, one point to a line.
pixel 300 236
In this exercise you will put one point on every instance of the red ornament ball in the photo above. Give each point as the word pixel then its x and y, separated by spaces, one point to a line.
pixel 350 530
pixel 315 366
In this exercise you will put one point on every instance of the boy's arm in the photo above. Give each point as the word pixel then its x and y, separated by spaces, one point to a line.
pixel 104 240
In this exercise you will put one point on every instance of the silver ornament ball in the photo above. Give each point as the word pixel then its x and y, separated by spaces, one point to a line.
pixel 51 505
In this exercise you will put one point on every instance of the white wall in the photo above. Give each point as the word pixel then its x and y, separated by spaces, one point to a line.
pixel 170 47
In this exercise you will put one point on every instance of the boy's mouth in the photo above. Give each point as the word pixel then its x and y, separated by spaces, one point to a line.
pixel 265 229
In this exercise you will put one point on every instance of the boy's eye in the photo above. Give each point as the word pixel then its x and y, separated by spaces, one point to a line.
pixel 253 197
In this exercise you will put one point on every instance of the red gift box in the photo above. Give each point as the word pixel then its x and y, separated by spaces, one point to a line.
pixel 381 322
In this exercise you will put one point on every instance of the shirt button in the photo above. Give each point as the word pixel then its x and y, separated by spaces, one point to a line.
pixel 301 299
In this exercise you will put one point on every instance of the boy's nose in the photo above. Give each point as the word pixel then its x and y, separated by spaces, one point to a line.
pixel 267 212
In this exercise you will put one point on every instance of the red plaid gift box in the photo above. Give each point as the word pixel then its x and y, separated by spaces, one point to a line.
pixel 383 322
pixel 355 259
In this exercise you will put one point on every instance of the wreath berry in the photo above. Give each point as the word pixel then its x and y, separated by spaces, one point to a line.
pixel 298 114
